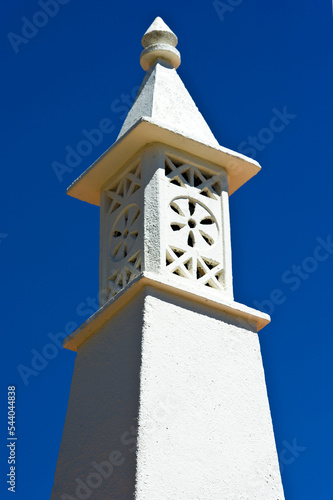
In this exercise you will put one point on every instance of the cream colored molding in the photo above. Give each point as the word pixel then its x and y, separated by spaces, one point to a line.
pixel 210 298
pixel 88 186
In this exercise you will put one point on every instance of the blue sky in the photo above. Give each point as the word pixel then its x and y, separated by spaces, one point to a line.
pixel 243 64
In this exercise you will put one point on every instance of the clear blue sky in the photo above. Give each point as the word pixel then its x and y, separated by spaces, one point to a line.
pixel 255 61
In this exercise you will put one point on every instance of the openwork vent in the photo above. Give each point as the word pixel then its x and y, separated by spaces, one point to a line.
pixel 194 249
pixel 197 224
pixel 188 175
pixel 182 263
pixel 124 233
pixel 123 191
pixel 125 220
pixel 129 271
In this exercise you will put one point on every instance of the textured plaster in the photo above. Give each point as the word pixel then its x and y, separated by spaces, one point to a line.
pixel 192 378
pixel 88 186
pixel 159 42
pixel 205 429
pixel 164 99
pixel 103 405
pixel 235 311
pixel 159 32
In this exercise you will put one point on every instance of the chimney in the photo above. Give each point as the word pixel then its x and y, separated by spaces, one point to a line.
pixel 168 398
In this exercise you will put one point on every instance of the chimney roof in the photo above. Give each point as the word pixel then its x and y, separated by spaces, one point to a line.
pixel 163 112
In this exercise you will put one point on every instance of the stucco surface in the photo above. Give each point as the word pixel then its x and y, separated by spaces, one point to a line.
pixel 164 98
pixel 103 408
pixel 191 378
pixel 205 426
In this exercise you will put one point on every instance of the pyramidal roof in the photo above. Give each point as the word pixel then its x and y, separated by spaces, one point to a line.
pixel 163 113
pixel 163 98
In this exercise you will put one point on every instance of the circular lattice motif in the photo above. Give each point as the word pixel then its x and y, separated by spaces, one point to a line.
pixel 196 225
pixel 124 233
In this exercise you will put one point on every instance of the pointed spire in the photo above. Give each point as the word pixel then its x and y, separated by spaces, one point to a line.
pixel 163 98
pixel 163 112
pixel 159 32
pixel 159 42
pixel 164 101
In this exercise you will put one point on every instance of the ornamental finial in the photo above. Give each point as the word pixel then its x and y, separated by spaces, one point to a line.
pixel 159 42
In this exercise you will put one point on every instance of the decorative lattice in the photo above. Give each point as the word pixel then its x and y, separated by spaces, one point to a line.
pixel 124 258
pixel 190 265
pixel 189 175
pixel 196 224
pixel 127 273
pixel 124 233
pixel 126 187
pixel 194 249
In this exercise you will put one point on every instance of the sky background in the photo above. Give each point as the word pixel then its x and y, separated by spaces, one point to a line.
pixel 242 67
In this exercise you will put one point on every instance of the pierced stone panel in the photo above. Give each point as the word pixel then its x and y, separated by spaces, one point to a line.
pixel 195 225
pixel 194 247
pixel 127 273
pixel 124 233
pixel 190 265
pixel 123 223
pixel 189 175
pixel 126 187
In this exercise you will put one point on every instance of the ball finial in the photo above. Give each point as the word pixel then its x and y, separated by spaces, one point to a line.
pixel 159 42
